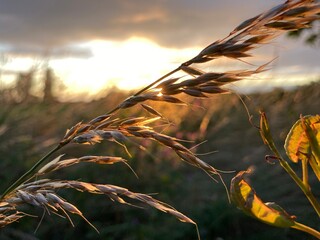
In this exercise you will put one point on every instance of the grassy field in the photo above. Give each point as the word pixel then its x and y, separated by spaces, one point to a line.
pixel 219 124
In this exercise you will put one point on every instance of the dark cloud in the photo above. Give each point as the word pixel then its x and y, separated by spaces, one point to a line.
pixel 179 23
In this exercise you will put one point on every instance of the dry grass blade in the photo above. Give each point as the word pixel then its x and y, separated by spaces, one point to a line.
pixel 58 203
pixel 43 195
pixel 57 164
pixel 293 15
pixel 119 192
pixel 138 127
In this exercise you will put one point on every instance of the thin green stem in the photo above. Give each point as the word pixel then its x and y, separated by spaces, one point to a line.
pixel 306 190
pixel 305 175
pixel 304 228
pixel 26 175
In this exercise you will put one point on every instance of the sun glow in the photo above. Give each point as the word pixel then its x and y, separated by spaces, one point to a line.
pixel 137 62
pixel 127 65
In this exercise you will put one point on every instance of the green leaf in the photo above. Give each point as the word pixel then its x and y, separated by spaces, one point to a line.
pixel 245 198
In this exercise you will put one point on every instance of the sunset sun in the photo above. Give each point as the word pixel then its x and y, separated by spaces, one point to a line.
pixel 127 65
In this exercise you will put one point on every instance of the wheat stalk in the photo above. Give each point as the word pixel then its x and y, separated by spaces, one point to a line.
pixel 247 36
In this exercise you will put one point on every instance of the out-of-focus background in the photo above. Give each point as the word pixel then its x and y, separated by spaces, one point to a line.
pixel 64 62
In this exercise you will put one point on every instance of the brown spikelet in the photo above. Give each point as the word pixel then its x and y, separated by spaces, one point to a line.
pixel 192 70
pixel 151 110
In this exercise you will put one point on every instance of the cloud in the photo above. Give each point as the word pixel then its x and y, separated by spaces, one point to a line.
pixel 179 23
pixel 56 27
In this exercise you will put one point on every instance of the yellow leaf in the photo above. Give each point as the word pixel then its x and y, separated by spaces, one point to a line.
pixel 246 199
pixel 297 144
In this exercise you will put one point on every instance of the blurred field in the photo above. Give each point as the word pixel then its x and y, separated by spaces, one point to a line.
pixel 28 130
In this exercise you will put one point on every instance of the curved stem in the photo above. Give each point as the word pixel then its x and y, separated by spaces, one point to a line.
pixel 304 228
pixel 26 175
